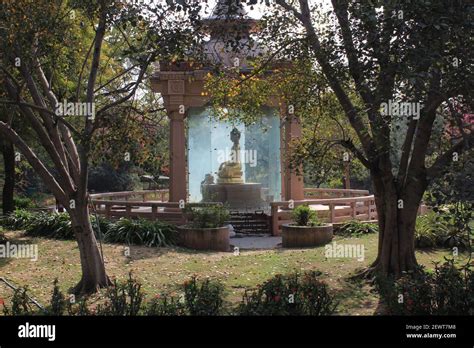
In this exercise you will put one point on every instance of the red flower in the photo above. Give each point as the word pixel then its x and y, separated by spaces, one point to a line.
pixel 277 298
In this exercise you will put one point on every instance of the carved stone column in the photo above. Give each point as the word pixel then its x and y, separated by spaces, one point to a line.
pixel 177 153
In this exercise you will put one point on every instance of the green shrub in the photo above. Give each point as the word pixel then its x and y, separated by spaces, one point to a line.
pixel 303 215
pixel 79 308
pixel 449 290
pixel 123 299
pixel 17 220
pixel 141 232
pixel 209 216
pixel 56 226
pixel 23 203
pixel 458 217
pixel 430 231
pixel 165 305
pixel 356 228
pixel 101 222
pixel 203 297
pixel 293 294
pixel 199 298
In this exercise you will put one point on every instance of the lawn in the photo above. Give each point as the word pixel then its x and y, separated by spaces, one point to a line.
pixel 163 269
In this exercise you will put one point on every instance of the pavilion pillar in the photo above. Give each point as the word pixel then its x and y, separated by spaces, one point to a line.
pixel 177 154
pixel 294 185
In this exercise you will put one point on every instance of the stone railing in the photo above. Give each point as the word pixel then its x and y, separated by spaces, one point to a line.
pixel 316 193
pixel 332 210
pixel 139 204
pixel 144 196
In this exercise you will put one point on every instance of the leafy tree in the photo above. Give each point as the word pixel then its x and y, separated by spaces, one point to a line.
pixel 370 56
pixel 56 51
pixel 391 52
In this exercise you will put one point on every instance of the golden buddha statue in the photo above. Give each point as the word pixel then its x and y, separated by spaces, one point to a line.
pixel 230 172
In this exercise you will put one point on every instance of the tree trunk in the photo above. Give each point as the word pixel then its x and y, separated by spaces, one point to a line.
pixel 8 152
pixel 397 211
pixel 93 267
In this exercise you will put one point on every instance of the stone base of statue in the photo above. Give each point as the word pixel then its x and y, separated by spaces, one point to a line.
pixel 237 195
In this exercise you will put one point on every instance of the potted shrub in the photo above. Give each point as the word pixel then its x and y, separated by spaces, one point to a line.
pixel 306 231
pixel 207 229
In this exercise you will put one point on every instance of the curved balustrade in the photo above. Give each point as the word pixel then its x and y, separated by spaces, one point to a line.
pixel 332 210
pixel 333 205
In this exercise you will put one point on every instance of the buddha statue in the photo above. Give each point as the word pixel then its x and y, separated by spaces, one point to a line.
pixel 230 172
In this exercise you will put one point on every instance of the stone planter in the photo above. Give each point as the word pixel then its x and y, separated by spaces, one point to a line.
pixel 216 239
pixel 305 236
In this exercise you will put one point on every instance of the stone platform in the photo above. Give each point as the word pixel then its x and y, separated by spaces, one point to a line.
pixel 237 195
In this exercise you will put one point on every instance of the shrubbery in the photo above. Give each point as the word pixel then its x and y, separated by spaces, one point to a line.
pixel 212 216
pixel 303 215
pixel 123 299
pixel 58 226
pixel 443 228
pixel 194 297
pixel 141 232
pixel 430 231
pixel 449 290
pixel 294 294
pixel 23 202
pixel 202 298
pixel 17 220
pixel 356 228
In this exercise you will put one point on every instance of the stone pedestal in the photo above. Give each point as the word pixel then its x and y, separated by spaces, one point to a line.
pixel 237 196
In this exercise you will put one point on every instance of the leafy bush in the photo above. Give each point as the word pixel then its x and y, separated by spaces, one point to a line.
pixel 445 227
pixel 200 298
pixel 21 304
pixel 458 217
pixel 165 305
pixel 57 226
pixel 23 203
pixel 303 215
pixel 101 222
pixel 203 297
pixel 209 216
pixel 123 299
pixel 449 290
pixel 17 220
pixel 356 228
pixel 78 308
pixel 293 294
pixel 430 231
pixel 141 232
pixel 105 178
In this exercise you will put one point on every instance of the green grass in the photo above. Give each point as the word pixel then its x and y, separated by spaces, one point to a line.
pixel 161 269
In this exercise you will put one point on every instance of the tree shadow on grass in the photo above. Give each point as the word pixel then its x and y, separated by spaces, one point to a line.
pixel 140 252
pixel 357 297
